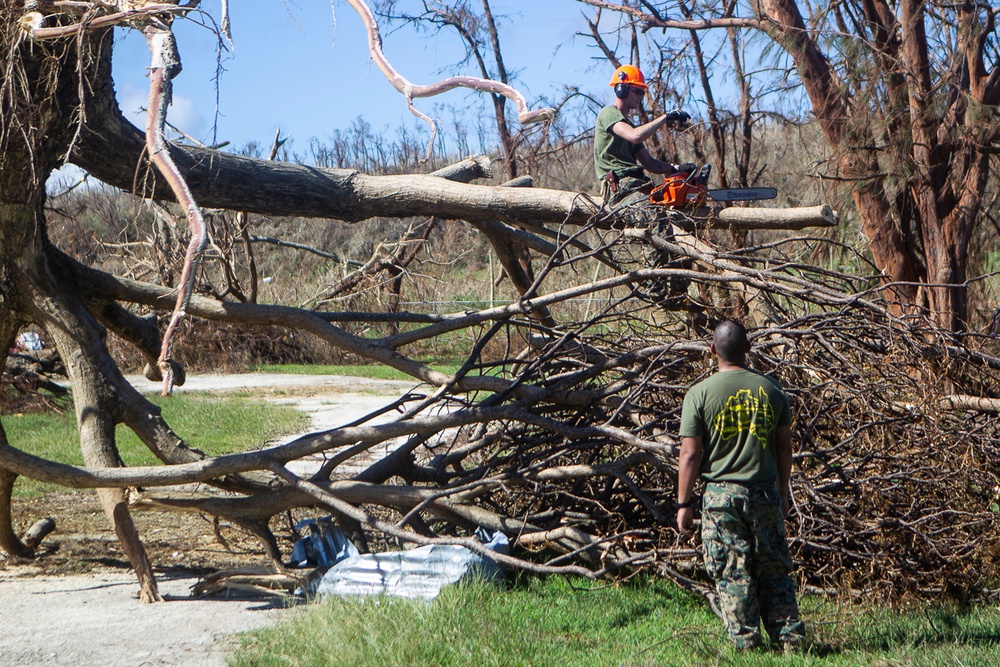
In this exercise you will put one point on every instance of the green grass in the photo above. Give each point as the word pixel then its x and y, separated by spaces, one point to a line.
pixel 645 623
pixel 214 424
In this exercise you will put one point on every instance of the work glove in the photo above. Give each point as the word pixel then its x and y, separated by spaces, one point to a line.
pixel 678 116
pixel 686 167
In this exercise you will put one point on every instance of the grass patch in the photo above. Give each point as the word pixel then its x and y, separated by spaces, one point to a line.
pixel 644 623
pixel 212 423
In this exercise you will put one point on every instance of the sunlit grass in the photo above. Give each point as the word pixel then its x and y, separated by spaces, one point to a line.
pixel 214 424
pixel 645 623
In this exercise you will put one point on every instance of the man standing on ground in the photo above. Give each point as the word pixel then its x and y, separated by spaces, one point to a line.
pixel 736 433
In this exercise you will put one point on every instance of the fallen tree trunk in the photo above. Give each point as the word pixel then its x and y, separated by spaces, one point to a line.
pixel 113 151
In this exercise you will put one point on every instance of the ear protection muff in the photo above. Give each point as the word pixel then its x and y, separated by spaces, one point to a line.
pixel 621 89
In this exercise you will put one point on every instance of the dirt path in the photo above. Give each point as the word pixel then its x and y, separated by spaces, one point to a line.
pixel 94 618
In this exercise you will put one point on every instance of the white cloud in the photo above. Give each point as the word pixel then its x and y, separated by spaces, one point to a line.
pixel 132 100
pixel 182 113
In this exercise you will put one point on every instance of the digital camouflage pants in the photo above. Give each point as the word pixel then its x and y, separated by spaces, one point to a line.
pixel 631 206
pixel 631 202
pixel 746 554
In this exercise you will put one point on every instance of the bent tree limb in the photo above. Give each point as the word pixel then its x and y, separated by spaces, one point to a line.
pixel 81 343
pixel 524 114
pixel 208 469
pixel 164 67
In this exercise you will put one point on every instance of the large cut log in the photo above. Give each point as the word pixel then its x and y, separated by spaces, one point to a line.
pixel 973 403
pixel 779 218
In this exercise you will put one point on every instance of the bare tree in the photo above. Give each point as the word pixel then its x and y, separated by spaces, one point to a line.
pixel 906 95
pixel 561 437
pixel 480 33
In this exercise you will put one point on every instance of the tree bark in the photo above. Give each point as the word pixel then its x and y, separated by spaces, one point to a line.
pixel 39 126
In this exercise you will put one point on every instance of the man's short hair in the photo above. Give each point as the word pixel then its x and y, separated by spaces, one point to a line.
pixel 730 340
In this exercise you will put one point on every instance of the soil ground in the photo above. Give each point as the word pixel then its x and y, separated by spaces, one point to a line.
pixel 76 602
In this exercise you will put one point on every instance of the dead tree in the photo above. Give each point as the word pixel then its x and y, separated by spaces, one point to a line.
pixel 907 102
pixel 564 442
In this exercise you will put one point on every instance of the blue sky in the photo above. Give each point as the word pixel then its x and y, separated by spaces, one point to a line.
pixel 304 67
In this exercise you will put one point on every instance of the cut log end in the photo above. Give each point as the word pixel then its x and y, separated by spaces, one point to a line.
pixel 38 532
pixel 831 217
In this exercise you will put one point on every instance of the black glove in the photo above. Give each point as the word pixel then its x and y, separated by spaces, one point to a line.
pixel 678 116
pixel 685 167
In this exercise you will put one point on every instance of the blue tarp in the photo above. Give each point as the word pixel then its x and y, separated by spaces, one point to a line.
pixel 325 544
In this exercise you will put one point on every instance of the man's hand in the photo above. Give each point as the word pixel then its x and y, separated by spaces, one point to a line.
pixel 678 116
pixel 685 521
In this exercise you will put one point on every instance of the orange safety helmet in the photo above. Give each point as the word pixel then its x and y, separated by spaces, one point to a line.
pixel 629 75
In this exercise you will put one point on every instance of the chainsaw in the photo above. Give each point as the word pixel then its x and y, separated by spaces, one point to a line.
pixel 690 189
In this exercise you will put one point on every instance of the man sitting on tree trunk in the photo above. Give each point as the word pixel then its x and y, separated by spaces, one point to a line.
pixel 621 162
pixel 620 158
pixel 736 433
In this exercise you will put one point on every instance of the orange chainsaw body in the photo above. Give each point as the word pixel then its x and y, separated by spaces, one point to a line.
pixel 678 191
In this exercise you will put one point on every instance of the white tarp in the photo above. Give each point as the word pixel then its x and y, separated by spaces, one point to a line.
pixel 416 573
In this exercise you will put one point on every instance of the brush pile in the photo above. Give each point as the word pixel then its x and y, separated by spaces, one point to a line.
pixel 896 481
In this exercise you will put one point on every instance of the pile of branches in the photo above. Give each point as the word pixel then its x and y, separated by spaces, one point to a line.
pixel 567 441
pixel 895 482
pixel 573 451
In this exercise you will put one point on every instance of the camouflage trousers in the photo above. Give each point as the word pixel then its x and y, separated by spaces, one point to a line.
pixel 631 202
pixel 632 208
pixel 746 554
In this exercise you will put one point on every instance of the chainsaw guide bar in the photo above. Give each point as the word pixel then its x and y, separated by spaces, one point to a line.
pixel 742 194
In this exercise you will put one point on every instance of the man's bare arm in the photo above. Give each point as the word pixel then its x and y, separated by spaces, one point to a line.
pixel 651 164
pixel 637 135
pixel 783 448
pixel 688 469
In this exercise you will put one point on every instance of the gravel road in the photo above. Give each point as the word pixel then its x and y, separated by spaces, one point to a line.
pixel 96 619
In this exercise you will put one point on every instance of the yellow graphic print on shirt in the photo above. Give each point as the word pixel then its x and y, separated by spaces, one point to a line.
pixel 744 412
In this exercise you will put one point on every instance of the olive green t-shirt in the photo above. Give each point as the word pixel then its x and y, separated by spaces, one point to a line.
pixel 736 413
pixel 611 152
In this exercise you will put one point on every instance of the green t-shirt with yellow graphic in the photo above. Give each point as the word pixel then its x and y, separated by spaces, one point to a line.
pixel 736 413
